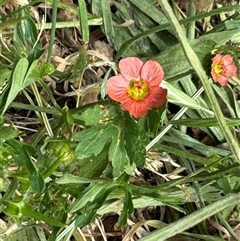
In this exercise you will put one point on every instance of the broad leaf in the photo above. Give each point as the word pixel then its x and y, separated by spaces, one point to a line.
pixel 93 140
pixel 117 153
pixel 17 81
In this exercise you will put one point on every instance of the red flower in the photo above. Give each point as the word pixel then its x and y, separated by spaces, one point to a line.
pixel 223 68
pixel 137 87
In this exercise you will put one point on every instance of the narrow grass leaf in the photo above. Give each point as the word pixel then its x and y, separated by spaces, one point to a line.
pixel 178 97
pixel 228 97
pixel 83 20
pixel 53 29
pixel 126 44
pixel 107 22
pixel 71 179
pixel 208 122
pixel 193 219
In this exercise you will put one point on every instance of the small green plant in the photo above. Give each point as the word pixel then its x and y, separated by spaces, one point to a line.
pixel 134 122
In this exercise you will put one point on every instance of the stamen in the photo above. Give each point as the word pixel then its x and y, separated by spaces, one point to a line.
pixel 137 89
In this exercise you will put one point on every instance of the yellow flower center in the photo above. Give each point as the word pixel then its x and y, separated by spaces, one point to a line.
pixel 137 89
pixel 218 68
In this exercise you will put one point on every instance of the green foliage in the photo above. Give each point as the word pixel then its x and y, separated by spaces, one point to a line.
pixel 64 163
pixel 106 131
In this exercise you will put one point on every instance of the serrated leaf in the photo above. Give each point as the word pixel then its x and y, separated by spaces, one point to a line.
pixel 94 166
pixel 93 140
pixel 97 115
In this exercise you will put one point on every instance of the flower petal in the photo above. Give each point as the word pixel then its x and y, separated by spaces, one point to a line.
pixel 136 108
pixel 222 80
pixel 130 68
pixel 216 58
pixel 116 88
pixel 230 70
pixel 152 72
pixel 214 75
pixel 227 59
pixel 157 97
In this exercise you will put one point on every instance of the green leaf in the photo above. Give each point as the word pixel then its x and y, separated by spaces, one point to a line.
pixel 93 199
pixel 142 47
pixel 127 209
pixel 71 179
pixel 6 154
pixel 99 115
pixel 28 234
pixel 17 81
pixel 207 122
pixel 88 196
pixel 192 219
pixel 35 178
pixel 117 153
pixel 28 211
pixel 4 76
pixel 81 63
pixel 178 97
pixel 85 219
pixel 107 22
pixel 174 61
pixel 155 118
pixel 83 20
pixel 227 95
pixel 148 15
pixel 8 133
pixel 136 140
pixel 94 166
pixel 31 75
pixel 126 45
pixel 36 71
pixel 183 139
pixel 93 140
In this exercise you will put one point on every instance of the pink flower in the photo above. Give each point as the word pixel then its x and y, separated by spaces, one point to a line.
pixel 223 68
pixel 137 86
